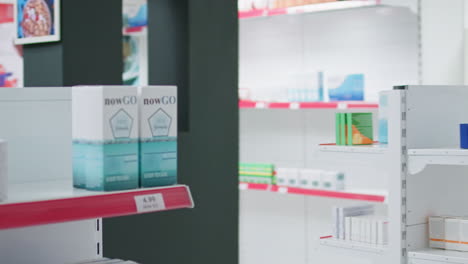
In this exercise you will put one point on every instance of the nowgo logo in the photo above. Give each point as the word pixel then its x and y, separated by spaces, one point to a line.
pixel 165 100
pixel 126 100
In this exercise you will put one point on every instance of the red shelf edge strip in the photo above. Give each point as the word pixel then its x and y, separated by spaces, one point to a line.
pixel 251 13
pixel 316 192
pixel 336 194
pixel 86 207
pixel 283 11
pixel 305 105
pixel 134 29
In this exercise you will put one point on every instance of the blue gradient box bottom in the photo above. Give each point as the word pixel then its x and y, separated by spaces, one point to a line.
pixel 105 167
pixel 158 166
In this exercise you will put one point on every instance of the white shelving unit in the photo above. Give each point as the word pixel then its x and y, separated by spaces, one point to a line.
pixel 417 163
pixel 287 134
pixel 420 158
pixel 413 182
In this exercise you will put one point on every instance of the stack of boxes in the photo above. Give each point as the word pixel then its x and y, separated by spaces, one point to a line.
pixel 124 137
pixel 358 224
pixel 354 129
pixel 311 179
pixel 448 232
pixel 257 173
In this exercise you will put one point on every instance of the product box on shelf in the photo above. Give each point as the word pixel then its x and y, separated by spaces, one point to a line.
pixel 448 232
pixel 452 233
pixel 367 229
pixel 292 177
pixel 339 220
pixel 105 137
pixel 383 116
pixel 354 129
pixel 158 135
pixel 382 231
pixel 437 232
pixel 340 128
pixel 332 180
pixel 359 128
pixel 307 87
pixel 345 87
pixel 257 173
pixel 310 178
pixel 463 246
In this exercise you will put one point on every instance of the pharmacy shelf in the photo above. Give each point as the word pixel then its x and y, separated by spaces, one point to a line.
pixel 418 159
pixel 361 195
pixel 243 104
pixel 352 245
pixel 438 256
pixel 49 202
pixel 369 149
pixel 313 8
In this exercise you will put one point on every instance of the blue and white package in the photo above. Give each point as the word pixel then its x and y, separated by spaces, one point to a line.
pixel 158 135
pixel 383 117
pixel 346 87
pixel 105 137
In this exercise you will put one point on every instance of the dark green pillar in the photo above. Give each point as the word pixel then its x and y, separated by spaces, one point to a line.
pixel 193 44
pixel 90 51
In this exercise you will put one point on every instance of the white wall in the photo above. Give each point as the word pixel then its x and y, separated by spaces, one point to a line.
pixel 442 42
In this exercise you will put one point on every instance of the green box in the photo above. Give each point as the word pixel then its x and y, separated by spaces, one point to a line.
pixel 359 129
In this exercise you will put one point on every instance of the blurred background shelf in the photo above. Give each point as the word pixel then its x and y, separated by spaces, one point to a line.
pixel 243 104
pixel 312 8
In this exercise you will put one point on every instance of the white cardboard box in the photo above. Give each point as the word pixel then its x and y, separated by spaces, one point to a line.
pixel 105 137
pixel 437 232
pixel 158 135
pixel 452 233
pixel 463 246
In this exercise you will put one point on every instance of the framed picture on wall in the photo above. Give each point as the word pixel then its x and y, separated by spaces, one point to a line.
pixel 37 21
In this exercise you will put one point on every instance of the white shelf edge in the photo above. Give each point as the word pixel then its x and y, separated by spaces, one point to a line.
pixel 368 149
pixel 418 159
pixel 440 255
pixel 351 245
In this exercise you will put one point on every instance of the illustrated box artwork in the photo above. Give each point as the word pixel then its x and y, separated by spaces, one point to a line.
pixel 37 21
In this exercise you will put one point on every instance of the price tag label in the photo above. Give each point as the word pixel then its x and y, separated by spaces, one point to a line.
pixel 294 106
pixel 283 190
pixel 150 203
pixel 243 186
pixel 342 105
pixel 260 105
